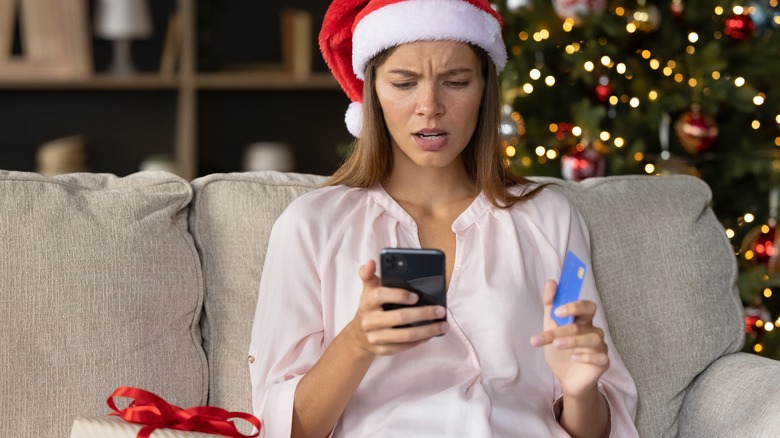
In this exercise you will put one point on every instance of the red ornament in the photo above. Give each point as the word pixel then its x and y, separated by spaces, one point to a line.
pixel 575 8
pixel 582 162
pixel 695 131
pixel 763 246
pixel 604 89
pixel 677 8
pixel 738 27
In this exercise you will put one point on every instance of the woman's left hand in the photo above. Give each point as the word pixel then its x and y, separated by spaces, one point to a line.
pixel 576 353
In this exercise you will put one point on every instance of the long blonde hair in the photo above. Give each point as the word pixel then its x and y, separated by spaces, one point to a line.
pixel 371 159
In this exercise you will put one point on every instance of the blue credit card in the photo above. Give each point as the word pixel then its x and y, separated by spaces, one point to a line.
pixel 569 285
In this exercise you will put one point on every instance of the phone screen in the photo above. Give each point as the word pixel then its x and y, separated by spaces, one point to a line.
pixel 421 271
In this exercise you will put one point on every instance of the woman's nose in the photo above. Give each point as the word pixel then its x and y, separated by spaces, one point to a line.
pixel 428 102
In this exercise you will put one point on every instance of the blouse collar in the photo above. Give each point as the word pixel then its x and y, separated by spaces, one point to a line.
pixel 468 217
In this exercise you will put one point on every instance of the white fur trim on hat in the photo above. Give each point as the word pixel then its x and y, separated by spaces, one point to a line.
pixel 426 20
pixel 354 118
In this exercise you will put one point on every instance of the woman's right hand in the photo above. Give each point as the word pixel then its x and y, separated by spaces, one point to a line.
pixel 373 327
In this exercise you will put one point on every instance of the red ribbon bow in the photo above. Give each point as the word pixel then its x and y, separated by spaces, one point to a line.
pixel 154 412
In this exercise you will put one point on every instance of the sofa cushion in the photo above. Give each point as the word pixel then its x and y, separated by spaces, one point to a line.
pixel 230 220
pixel 666 274
pixel 664 268
pixel 100 287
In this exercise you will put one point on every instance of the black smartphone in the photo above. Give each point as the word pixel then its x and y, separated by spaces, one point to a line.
pixel 420 271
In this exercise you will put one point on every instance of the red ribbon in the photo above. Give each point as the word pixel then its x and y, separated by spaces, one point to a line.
pixel 154 412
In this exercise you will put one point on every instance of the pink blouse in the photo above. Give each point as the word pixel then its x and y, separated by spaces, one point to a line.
pixel 482 378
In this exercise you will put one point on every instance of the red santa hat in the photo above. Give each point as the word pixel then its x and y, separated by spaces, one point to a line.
pixel 354 31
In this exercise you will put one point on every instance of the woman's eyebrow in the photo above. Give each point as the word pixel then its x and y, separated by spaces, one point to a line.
pixel 449 72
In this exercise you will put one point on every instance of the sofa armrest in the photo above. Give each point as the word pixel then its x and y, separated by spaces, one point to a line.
pixel 735 396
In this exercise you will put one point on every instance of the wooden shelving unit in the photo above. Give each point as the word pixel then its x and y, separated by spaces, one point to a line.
pixel 187 84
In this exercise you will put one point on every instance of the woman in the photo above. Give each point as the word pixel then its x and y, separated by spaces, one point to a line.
pixel 426 171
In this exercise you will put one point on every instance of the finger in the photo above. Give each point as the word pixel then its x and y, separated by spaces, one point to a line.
pixel 592 341
pixel 406 335
pixel 583 311
pixel 368 276
pixel 400 317
pixel 569 330
pixel 375 297
pixel 598 359
pixel 547 300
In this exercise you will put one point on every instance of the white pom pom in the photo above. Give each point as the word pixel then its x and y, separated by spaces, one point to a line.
pixel 354 118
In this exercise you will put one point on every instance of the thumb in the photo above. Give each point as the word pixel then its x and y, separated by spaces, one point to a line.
pixel 547 299
pixel 367 274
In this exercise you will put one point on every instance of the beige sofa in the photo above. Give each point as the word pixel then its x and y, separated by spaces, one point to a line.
pixel 151 281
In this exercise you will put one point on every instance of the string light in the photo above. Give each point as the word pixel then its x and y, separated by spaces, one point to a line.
pixel 769 326
pixel 535 74
pixel 549 80
pixel 730 233
pixel 589 66
pixel 749 217
pixel 716 75
pixel 693 37
pixel 576 131
pixel 738 10
pixel 655 64
pixel 690 50
pixel 758 348
pixel 568 25
pixel 667 71
pixel 510 151
pixel 639 156
pixel 604 136
pixel 619 142
pixel 528 88
pixel 545 34
pixel 620 68
pixel 551 154
pixel 613 100
pixel 678 77
pixel 646 54
pixel 718 10
pixel 692 82
pixel 739 81
pixel 540 150
pixel 768 293
pixel 649 168
pixel 634 102
pixel 606 62
pixel 756 124
pixel 523 35
pixel 652 95
pixel 759 99
pixel 630 27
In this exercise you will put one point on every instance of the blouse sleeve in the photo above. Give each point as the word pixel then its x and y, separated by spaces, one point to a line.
pixel 287 333
pixel 616 383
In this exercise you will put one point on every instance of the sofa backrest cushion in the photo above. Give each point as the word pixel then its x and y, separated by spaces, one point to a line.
pixel 662 262
pixel 100 287
pixel 230 219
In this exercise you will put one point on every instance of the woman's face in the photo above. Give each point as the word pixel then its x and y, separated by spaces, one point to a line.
pixel 430 93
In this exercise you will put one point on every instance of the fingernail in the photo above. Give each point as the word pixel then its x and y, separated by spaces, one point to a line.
pixel 444 327
pixel 440 311
pixel 413 297
pixel 559 342
pixel 536 340
pixel 559 311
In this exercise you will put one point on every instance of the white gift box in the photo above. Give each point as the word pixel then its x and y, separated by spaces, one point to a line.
pixel 111 426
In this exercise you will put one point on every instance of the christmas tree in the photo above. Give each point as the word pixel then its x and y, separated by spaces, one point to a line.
pixel 674 86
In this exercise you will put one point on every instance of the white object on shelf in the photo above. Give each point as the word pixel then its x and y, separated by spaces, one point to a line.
pixel 269 156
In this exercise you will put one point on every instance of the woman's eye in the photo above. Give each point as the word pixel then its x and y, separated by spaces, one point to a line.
pixel 402 85
pixel 457 84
